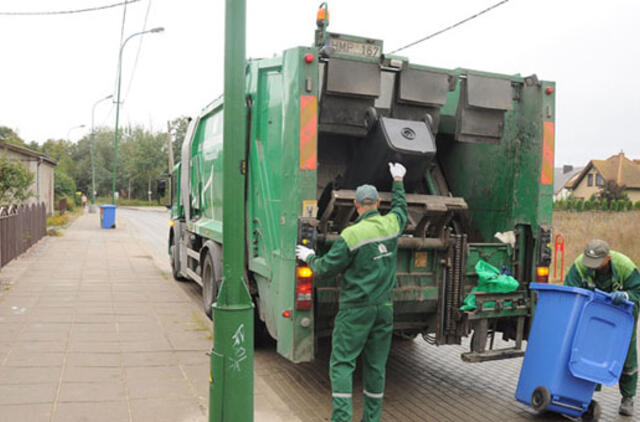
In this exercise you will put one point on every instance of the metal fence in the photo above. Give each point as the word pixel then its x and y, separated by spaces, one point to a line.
pixel 21 226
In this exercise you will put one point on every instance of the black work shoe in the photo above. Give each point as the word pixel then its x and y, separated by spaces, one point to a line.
pixel 626 406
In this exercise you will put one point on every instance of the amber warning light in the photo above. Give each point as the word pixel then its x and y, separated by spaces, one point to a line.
pixel 542 274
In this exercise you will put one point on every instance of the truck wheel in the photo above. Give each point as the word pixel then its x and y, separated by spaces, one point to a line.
pixel 175 263
pixel 592 413
pixel 540 399
pixel 209 284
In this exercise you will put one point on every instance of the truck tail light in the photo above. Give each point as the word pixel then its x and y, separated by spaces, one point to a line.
pixel 304 288
pixel 542 275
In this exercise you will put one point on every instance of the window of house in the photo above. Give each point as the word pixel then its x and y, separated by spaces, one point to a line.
pixel 598 180
pixel 589 179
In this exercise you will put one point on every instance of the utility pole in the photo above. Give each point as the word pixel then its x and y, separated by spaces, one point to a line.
pixel 170 147
pixel 231 376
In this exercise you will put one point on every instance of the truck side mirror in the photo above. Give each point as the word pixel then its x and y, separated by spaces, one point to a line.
pixel 161 188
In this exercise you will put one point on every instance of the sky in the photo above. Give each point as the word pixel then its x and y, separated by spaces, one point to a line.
pixel 54 68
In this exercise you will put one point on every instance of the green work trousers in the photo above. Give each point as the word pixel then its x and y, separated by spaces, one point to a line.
pixel 629 378
pixel 362 330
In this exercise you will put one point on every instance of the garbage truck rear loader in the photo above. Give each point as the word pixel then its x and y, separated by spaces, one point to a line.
pixel 324 119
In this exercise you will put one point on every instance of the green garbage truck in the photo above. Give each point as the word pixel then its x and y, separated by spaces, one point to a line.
pixel 324 119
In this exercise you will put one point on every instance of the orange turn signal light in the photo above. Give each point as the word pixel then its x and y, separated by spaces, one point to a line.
pixel 304 272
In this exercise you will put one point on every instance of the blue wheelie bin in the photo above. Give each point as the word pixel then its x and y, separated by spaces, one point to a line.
pixel 578 339
pixel 108 216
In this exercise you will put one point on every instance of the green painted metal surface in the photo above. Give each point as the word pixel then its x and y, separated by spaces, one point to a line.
pixel 231 380
pixel 501 183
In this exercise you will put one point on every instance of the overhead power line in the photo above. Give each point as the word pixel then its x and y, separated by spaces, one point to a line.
pixel 135 63
pixel 68 12
pixel 482 12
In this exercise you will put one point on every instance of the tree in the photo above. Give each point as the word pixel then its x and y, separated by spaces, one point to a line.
pixel 15 181
pixel 179 127
pixel 10 136
pixel 64 185
pixel 611 191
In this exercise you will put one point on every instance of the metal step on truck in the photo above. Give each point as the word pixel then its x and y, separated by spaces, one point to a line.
pixel 324 119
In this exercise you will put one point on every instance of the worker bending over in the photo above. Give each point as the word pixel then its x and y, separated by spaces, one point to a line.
pixel 366 254
pixel 610 271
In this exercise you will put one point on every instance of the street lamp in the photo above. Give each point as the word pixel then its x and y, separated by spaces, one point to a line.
pixel 70 129
pixel 115 139
pixel 92 207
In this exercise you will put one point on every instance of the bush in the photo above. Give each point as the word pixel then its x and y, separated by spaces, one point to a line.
pixel 628 206
pixel 57 219
pixel 588 205
pixel 71 205
pixel 64 185
pixel 636 206
pixel 620 205
pixel 604 206
pixel 579 206
pixel 15 181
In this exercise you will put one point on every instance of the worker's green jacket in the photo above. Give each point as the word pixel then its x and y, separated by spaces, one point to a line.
pixel 366 254
pixel 624 276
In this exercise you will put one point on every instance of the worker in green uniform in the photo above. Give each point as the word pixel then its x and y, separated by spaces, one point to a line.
pixel 610 271
pixel 365 254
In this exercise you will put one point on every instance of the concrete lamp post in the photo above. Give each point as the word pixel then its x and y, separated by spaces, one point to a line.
pixel 72 128
pixel 115 136
pixel 92 206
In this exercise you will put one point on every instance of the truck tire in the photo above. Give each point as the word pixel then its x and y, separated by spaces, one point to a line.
pixel 174 262
pixel 210 279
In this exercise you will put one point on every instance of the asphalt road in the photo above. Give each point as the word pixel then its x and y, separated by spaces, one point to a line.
pixel 424 382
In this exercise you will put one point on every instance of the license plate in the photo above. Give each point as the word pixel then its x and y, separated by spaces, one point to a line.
pixel 354 48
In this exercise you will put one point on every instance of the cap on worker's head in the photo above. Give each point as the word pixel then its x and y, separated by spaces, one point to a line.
pixel 366 195
pixel 595 253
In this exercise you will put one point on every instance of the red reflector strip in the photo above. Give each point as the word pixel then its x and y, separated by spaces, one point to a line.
pixel 308 132
pixel 548 140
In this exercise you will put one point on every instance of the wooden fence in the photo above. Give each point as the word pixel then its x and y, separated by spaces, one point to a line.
pixel 21 226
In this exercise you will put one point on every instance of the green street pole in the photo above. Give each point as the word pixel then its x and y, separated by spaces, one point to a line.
pixel 115 135
pixel 92 207
pixel 231 376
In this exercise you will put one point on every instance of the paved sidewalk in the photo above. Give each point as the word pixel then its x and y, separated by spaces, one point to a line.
pixel 92 330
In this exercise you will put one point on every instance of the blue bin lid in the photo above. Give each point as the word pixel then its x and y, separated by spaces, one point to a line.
pixel 107 206
pixel 560 288
pixel 601 340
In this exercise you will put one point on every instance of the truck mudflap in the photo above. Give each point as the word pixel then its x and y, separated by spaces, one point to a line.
pixel 484 321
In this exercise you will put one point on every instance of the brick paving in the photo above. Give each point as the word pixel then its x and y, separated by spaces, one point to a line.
pixel 92 330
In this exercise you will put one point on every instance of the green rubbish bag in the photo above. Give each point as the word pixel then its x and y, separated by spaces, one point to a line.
pixel 490 280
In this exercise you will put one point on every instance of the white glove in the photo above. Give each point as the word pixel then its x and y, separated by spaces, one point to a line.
pixel 397 170
pixel 303 253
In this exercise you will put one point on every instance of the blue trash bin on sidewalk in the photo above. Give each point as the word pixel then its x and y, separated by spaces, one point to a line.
pixel 108 216
pixel 578 339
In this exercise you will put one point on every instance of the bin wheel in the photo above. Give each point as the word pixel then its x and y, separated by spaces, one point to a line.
pixel 592 413
pixel 540 399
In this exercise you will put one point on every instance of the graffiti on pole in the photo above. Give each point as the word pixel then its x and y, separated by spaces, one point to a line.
pixel 239 351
